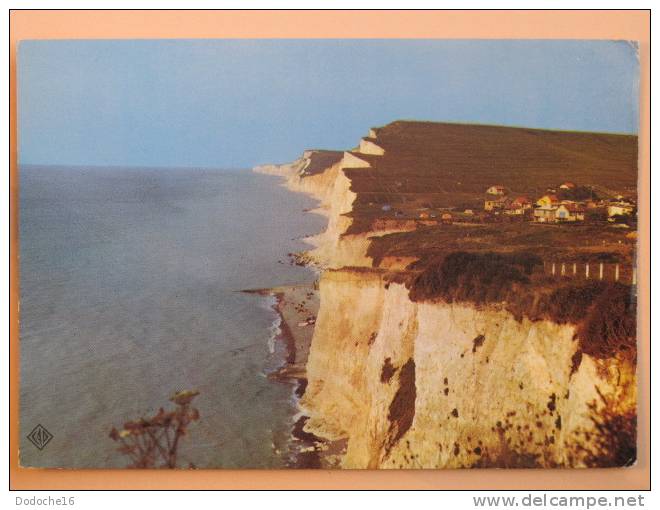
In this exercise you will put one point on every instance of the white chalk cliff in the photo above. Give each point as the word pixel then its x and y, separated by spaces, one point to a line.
pixel 437 385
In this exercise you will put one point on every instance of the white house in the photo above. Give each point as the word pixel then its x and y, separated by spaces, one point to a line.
pixel 564 212
pixel 569 212
pixel 619 209
pixel 545 214
pixel 496 190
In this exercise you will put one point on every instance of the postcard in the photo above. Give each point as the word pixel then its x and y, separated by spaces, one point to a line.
pixel 328 254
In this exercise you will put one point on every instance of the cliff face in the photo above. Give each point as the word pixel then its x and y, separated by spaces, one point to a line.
pixel 419 385
pixel 424 385
pixel 332 188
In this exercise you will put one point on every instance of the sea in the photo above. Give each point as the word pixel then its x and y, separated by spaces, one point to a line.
pixel 130 290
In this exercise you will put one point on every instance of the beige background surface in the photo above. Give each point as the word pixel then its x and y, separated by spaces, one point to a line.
pixel 556 24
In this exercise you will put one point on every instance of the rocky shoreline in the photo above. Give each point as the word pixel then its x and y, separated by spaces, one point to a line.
pixel 297 307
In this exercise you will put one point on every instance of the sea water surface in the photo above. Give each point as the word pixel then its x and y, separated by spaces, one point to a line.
pixel 129 281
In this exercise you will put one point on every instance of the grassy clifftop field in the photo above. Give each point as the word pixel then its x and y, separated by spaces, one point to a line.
pixel 439 165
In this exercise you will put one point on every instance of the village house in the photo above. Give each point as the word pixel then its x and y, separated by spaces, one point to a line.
pixel 545 214
pixel 518 206
pixel 493 204
pixel 522 201
pixel 424 215
pixel 563 212
pixel 496 190
pixel 569 211
pixel 567 185
pixel 548 201
pixel 446 218
pixel 513 210
pixel 619 209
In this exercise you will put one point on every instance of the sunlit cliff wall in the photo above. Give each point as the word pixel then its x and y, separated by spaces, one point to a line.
pixel 439 385
pixel 426 385
pixel 332 188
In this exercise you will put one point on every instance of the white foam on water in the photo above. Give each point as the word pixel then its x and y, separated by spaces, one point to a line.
pixel 269 302
pixel 274 331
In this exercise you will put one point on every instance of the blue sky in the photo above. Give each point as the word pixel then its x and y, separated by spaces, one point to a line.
pixel 236 103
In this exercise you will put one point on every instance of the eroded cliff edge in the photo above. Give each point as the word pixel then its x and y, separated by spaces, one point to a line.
pixel 412 368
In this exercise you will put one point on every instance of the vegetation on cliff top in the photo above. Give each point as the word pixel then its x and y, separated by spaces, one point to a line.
pixel 603 312
pixel 571 243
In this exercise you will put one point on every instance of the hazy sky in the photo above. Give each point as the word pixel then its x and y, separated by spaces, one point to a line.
pixel 236 103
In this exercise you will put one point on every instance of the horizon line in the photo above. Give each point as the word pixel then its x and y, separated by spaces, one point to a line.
pixel 450 122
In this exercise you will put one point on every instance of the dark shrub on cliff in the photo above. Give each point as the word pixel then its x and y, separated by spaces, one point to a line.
pixel 578 193
pixel 473 277
pixel 613 440
pixel 616 445
pixel 569 304
pixel 610 325
pixel 596 215
pixel 604 313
